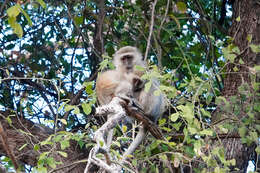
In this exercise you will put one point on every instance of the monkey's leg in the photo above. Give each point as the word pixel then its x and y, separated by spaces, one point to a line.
pixel 136 142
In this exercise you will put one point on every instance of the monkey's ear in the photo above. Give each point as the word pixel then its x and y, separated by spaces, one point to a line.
pixel 138 84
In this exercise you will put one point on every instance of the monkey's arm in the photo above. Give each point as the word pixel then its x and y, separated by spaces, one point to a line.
pixel 140 116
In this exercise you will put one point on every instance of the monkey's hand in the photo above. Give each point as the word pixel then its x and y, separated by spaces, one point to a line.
pixel 125 98
pixel 131 102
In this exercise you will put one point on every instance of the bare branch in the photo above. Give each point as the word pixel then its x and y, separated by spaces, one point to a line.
pixel 117 110
pixel 115 113
pixel 151 31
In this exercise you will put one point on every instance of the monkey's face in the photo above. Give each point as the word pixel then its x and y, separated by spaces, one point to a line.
pixel 127 63
pixel 126 58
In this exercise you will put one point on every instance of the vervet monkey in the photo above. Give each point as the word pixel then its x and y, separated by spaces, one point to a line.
pixel 125 60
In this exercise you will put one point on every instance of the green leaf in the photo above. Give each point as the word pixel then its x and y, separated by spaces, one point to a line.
pixel 147 86
pixel 42 169
pixel 181 7
pixel 69 107
pixel 187 110
pixel 139 68
pixel 177 126
pixel 62 105
pixel 124 128
pixel 7 72
pixel 44 155
pixel 163 157
pixel 51 162
pixel 228 53
pixel 255 48
pixel 257 67
pixel 205 113
pixel 257 150
pixel 233 162
pixel 134 162
pixel 89 87
pixel 26 16
pixel 235 69
pixel 192 130
pixel 36 147
pixel 78 20
pixel 238 19
pixel 154 144
pixel 64 144
pixel 13 11
pixel 64 154
pixel 162 122
pixel 9 120
pixel 167 129
pixel 222 129
pixel 11 21
pixel 174 117
pixel 18 30
pixel 46 143
pixel 86 108
pixel 63 121
pixel 220 100
pixel 42 3
pixel 253 136
pixel 101 143
pixel 207 132
pixel 242 131
pixel 172 144
pixel 76 110
pixel 249 38
pixel 241 61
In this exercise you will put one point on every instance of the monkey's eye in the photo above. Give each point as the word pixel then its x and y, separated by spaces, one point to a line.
pixel 123 58
pixel 128 57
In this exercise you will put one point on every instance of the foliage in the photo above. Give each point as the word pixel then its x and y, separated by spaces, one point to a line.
pixel 51 52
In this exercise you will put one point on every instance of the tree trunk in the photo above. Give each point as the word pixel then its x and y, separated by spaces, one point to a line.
pixel 249 24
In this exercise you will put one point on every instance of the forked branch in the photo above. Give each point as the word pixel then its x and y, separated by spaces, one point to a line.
pixel 116 110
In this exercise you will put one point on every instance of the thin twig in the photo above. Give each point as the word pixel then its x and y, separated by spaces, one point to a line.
pixel 71 66
pixel 165 15
pixel 69 165
pixel 151 31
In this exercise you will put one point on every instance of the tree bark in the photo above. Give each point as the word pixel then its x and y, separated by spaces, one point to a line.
pixel 249 24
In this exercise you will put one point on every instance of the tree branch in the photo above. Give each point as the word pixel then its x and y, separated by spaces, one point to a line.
pixel 151 31
pixel 7 148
